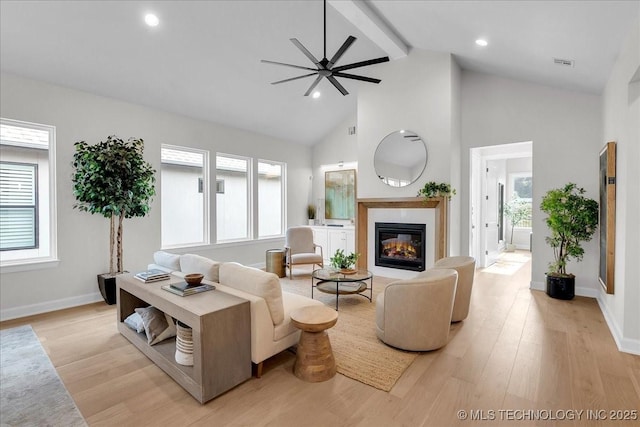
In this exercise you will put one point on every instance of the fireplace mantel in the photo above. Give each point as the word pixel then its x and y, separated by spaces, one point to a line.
pixel 442 221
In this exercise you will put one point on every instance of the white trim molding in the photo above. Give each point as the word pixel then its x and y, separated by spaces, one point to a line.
pixel 45 307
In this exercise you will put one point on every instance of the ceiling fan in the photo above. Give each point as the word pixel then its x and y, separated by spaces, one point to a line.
pixel 326 68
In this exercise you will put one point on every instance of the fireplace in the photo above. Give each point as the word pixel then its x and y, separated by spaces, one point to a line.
pixel 400 245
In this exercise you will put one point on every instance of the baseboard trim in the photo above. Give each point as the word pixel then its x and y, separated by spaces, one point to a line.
pixel 624 344
pixel 45 307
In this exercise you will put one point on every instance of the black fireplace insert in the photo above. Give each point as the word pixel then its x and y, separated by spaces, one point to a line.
pixel 400 245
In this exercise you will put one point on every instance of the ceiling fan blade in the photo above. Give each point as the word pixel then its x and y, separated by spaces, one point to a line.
pixel 354 77
pixel 362 63
pixel 305 51
pixel 287 65
pixel 337 85
pixel 313 86
pixel 348 42
pixel 293 78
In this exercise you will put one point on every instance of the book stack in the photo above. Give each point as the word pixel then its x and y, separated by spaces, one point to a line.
pixel 152 275
pixel 184 289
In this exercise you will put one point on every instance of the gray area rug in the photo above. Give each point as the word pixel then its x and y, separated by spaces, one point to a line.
pixel 31 392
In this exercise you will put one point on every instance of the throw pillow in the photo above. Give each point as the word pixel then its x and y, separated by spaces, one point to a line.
pixel 158 326
pixel 191 263
pixel 168 260
pixel 134 321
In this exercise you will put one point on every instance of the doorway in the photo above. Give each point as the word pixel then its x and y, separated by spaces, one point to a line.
pixel 495 172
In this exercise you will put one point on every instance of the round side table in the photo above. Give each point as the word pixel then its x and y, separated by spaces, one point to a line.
pixel 314 358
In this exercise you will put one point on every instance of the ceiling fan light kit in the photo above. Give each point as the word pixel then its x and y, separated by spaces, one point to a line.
pixel 326 68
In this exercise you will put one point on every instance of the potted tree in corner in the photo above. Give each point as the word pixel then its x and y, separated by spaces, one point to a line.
pixel 111 178
pixel 572 219
pixel 516 211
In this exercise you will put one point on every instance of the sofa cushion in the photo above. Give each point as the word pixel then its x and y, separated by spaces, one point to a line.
pixel 167 260
pixel 291 302
pixel 191 263
pixel 255 282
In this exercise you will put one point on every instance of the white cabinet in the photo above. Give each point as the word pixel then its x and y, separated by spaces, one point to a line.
pixel 320 239
pixel 333 238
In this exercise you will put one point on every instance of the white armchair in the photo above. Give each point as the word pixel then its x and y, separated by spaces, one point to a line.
pixel 301 249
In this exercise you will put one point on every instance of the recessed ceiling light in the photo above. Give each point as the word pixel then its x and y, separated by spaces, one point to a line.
pixel 151 20
pixel 316 94
pixel 401 130
pixel 481 42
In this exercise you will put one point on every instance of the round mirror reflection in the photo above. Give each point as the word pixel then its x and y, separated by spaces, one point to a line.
pixel 400 158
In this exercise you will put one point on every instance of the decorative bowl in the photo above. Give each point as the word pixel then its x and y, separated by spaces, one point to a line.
pixel 193 279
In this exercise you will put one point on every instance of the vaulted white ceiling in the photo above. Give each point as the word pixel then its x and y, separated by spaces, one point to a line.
pixel 203 60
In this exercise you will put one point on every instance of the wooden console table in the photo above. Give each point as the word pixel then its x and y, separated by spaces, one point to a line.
pixel 221 326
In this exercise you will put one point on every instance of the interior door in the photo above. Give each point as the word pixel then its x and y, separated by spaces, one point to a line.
pixel 490 214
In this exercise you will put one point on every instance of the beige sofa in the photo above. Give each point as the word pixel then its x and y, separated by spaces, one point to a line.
pixel 271 327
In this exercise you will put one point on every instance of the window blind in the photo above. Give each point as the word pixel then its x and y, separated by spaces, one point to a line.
pixel 18 206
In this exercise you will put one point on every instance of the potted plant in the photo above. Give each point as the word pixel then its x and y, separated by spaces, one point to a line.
pixel 311 213
pixel 111 178
pixel 432 189
pixel 516 211
pixel 572 219
pixel 343 262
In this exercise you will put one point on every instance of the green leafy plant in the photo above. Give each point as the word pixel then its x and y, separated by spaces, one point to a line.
pixel 516 211
pixel 111 178
pixel 311 211
pixel 340 260
pixel 432 189
pixel 572 219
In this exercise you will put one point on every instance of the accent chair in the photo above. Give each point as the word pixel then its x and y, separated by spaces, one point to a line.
pixel 466 268
pixel 301 249
pixel 415 314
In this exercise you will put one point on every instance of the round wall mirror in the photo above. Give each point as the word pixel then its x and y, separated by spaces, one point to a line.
pixel 400 158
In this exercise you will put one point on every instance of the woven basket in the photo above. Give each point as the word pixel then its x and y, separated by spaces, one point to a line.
pixel 184 344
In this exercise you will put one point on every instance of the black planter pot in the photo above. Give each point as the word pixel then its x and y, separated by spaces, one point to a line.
pixel 561 287
pixel 107 286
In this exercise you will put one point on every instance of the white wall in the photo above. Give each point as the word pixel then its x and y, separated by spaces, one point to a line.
pixel 416 94
pixel 83 239
pixel 566 131
pixel 621 116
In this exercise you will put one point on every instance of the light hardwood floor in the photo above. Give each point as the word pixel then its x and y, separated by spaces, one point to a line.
pixel 518 350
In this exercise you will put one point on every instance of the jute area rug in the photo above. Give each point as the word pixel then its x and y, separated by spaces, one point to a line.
pixel 358 352
pixel 31 392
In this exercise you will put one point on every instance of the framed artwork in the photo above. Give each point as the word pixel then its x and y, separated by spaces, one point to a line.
pixel 607 216
pixel 340 194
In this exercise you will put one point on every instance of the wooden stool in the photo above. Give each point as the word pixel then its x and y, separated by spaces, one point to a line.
pixel 314 358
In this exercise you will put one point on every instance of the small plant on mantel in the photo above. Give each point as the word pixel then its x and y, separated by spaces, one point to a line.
pixel 433 189
pixel 341 261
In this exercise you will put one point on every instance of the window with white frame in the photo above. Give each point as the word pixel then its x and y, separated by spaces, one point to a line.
pixel 185 201
pixel 27 193
pixel 522 187
pixel 233 197
pixel 271 195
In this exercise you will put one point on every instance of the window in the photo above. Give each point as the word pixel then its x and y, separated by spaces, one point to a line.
pixel 233 193
pixel 184 190
pixel 522 187
pixel 27 193
pixel 18 207
pixel 270 198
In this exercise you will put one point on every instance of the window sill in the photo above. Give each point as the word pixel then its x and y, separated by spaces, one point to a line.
pixel 226 244
pixel 16 266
